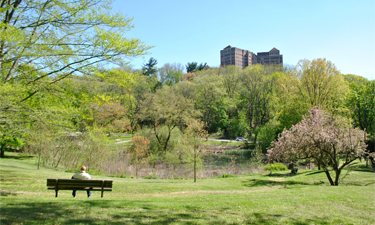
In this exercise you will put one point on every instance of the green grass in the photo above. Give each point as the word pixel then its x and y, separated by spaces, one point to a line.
pixel 305 198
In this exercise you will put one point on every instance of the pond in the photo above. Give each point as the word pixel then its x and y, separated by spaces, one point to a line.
pixel 218 161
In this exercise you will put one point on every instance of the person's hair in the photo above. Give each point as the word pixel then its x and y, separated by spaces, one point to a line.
pixel 83 168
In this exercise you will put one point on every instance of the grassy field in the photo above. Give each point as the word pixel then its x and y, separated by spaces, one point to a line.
pixel 304 198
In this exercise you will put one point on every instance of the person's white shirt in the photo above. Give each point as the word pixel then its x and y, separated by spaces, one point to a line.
pixel 82 176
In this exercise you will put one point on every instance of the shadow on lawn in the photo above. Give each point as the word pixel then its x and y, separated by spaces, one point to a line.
pixel 261 182
pixel 134 212
pixel 268 218
pixel 18 156
pixel 103 212
pixel 363 168
pixel 266 182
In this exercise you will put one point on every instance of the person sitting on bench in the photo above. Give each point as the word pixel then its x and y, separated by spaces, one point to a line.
pixel 82 176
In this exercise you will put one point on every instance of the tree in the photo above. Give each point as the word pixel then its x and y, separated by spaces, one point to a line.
pixel 59 38
pixel 166 69
pixel 193 67
pixel 201 66
pixel 173 77
pixel 329 142
pixel 112 117
pixel 290 106
pixel 210 100
pixel 149 68
pixel 256 91
pixel 43 42
pixel 195 136
pixel 358 80
pixel 319 83
pixel 139 151
pixel 166 108
pixel 361 100
pixel 189 76
pixel 231 80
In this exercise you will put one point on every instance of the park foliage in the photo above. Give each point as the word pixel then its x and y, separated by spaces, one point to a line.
pixel 66 85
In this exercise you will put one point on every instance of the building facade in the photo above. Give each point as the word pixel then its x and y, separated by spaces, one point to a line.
pixel 271 57
pixel 236 56
pixel 243 58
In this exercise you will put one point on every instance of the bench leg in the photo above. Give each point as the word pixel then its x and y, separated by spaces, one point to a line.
pixel 102 194
pixel 56 193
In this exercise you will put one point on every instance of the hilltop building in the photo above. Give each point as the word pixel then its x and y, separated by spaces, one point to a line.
pixel 236 56
pixel 271 57
pixel 243 58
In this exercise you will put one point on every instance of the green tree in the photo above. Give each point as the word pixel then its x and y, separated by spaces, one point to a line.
pixel 210 100
pixel 149 68
pixel 193 67
pixel 165 70
pixel 361 100
pixel 173 77
pixel 236 126
pixel 201 66
pixel 290 106
pixel 320 83
pixel 166 108
pixel 358 80
pixel 257 87
pixel 43 42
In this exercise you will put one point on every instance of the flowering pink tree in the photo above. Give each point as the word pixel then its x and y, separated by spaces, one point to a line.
pixel 329 142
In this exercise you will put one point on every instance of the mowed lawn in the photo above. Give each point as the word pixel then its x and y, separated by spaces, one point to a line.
pixel 305 198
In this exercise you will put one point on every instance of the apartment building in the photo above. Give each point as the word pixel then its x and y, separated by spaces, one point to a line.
pixel 243 58
pixel 236 56
pixel 271 57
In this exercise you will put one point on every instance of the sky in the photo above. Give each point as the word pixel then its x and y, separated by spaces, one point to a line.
pixel 341 31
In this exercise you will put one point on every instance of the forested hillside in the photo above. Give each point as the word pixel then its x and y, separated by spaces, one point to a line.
pixel 66 85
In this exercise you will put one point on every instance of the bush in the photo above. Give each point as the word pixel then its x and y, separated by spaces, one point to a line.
pixel 275 167
pixel 151 176
pixel 227 175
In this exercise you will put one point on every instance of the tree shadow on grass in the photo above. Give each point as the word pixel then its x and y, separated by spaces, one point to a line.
pixel 315 172
pixel 363 168
pixel 102 212
pixel 303 172
pixel 261 182
pixel 269 218
pixel 18 157
pixel 136 212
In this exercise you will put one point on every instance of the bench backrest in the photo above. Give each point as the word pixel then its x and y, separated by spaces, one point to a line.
pixel 69 183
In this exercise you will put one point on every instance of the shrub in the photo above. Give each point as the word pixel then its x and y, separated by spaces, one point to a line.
pixel 227 175
pixel 275 167
pixel 151 176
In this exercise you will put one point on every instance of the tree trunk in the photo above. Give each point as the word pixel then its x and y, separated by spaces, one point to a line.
pixel 38 161
pixel 337 177
pixel 329 177
pixel 195 171
pixel 2 154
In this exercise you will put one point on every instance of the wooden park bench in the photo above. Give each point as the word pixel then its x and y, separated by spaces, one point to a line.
pixel 74 184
